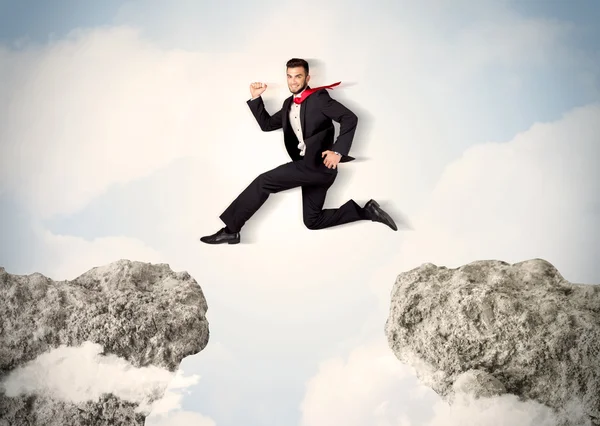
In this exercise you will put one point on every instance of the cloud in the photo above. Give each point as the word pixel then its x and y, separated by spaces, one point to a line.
pixel 171 400
pixel 537 195
pixel 68 257
pixel 99 107
pixel 505 410
pixel 81 373
pixel 30 247
pixel 371 387
pixel 180 418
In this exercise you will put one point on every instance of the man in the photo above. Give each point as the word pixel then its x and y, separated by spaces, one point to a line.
pixel 308 135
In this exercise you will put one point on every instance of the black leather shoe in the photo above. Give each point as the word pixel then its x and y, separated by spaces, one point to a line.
pixel 221 237
pixel 376 214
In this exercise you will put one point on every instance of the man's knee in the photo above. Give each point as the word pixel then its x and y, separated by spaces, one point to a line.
pixel 263 181
pixel 311 222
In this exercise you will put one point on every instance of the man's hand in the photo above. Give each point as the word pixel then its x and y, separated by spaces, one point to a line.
pixel 331 159
pixel 256 89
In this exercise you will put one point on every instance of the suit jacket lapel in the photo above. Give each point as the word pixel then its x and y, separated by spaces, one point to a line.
pixel 303 117
pixel 285 120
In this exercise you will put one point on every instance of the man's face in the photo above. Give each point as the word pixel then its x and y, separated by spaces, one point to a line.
pixel 297 79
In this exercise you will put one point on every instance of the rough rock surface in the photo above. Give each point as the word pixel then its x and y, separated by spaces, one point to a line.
pixel 489 328
pixel 144 313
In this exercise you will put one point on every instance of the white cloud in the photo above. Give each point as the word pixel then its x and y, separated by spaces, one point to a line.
pixel 100 107
pixel 534 196
pixel 180 418
pixel 68 257
pixel 78 374
pixel 170 402
pixel 371 387
pixel 505 410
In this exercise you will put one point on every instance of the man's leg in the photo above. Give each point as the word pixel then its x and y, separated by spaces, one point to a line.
pixel 281 178
pixel 314 189
pixel 315 217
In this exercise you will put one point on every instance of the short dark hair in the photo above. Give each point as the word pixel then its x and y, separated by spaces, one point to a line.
pixel 297 62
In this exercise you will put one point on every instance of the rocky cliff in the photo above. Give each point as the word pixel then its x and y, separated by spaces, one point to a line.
pixel 123 329
pixel 489 328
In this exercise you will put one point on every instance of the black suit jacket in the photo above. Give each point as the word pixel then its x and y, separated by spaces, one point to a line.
pixel 316 115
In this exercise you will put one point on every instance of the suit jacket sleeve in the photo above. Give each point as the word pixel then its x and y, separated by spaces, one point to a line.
pixel 266 121
pixel 339 113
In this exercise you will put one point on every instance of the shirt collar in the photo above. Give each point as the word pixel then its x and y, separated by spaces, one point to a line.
pixel 300 94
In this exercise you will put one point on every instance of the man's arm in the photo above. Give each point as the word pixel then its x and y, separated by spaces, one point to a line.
pixel 266 122
pixel 338 112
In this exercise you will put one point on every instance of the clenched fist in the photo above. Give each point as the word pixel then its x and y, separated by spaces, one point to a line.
pixel 256 89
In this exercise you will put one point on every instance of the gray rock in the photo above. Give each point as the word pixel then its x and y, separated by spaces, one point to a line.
pixel 145 314
pixel 489 327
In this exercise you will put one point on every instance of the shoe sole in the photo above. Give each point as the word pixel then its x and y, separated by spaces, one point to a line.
pixel 222 242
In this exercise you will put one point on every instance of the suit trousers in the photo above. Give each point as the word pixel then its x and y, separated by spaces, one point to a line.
pixel 314 182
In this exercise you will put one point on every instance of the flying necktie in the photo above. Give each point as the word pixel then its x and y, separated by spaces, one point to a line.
pixel 308 92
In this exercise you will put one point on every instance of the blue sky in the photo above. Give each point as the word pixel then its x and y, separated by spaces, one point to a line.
pixel 128 137
pixel 38 20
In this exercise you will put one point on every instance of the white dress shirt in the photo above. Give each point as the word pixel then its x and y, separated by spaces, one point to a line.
pixel 294 116
pixel 296 125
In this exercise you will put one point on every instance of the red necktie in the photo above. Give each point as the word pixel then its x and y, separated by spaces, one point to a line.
pixel 308 92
